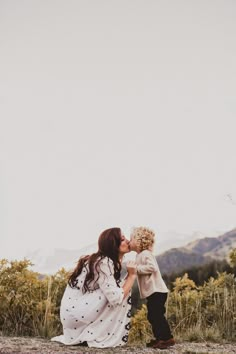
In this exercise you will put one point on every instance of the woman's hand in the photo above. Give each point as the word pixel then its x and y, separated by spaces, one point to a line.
pixel 130 279
pixel 131 268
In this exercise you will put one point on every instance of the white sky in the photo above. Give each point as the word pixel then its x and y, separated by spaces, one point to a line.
pixel 115 113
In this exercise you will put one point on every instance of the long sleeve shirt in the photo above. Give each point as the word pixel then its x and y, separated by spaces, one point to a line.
pixel 149 275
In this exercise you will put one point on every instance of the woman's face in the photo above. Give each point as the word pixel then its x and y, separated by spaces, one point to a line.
pixel 124 246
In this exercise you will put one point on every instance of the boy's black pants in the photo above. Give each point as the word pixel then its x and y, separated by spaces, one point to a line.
pixel 156 316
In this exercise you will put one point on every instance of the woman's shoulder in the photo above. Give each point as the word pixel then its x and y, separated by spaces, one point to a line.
pixel 106 261
pixel 106 265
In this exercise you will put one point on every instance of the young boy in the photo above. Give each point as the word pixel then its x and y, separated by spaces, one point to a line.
pixel 151 286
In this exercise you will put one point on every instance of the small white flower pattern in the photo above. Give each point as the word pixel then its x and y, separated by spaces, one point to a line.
pixel 100 317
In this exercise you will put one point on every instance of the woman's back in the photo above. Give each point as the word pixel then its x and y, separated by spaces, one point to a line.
pixel 102 311
pixel 95 308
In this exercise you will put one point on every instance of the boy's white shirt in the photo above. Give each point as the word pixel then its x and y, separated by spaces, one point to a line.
pixel 149 276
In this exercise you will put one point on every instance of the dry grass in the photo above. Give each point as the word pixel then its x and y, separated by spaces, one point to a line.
pixel 29 305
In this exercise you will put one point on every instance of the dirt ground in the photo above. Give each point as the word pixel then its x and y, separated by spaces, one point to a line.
pixel 25 345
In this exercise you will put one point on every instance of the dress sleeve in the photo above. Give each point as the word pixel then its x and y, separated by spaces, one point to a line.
pixel 148 264
pixel 107 283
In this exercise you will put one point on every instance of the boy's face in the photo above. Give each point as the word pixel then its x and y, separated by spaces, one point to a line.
pixel 133 244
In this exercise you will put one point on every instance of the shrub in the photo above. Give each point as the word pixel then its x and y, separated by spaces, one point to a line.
pixel 29 305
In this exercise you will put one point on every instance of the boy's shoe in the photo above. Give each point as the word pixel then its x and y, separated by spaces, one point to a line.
pixel 169 342
pixel 160 345
pixel 150 344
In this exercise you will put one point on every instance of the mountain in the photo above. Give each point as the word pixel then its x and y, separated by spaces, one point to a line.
pixel 200 251
pixel 197 253
pixel 216 247
pixel 176 239
pixel 49 261
pixel 178 259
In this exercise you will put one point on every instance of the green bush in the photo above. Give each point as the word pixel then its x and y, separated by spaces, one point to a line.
pixel 30 304
pixel 195 313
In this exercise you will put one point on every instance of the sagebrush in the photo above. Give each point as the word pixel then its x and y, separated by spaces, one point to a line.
pixel 30 303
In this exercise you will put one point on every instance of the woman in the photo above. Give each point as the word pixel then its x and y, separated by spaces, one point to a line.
pixel 95 308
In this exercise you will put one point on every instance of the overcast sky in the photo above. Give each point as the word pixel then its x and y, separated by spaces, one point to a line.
pixel 115 113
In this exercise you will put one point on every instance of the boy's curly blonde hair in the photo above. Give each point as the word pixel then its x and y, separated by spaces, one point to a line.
pixel 144 237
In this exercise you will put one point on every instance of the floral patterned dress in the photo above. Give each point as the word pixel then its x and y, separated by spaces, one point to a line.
pixel 100 317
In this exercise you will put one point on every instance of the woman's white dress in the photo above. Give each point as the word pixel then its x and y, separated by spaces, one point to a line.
pixel 100 317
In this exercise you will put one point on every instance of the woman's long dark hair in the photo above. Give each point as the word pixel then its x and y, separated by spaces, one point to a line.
pixel 108 246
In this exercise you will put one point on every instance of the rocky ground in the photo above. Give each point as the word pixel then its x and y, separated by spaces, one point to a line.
pixel 25 345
